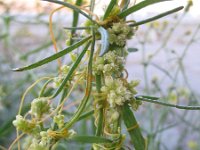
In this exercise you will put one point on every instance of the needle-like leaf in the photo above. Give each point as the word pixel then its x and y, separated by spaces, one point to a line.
pixel 138 6
pixel 109 8
pixel 53 57
pixel 157 17
pixel 155 101
pixel 133 128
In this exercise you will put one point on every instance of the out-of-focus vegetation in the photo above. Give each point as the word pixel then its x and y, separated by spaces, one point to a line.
pixel 165 73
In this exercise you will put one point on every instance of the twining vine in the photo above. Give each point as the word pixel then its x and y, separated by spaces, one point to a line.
pixel 100 69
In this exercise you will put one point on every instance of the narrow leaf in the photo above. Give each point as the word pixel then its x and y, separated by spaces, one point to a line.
pixel 85 115
pixel 104 40
pixel 149 97
pixel 125 5
pixel 53 57
pixel 75 8
pixel 132 49
pixel 133 128
pixel 138 6
pixel 75 20
pixel 167 104
pixel 109 8
pixel 77 28
pixel 157 17
pixel 88 89
pixel 90 139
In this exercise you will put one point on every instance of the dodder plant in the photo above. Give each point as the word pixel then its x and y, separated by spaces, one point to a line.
pixel 99 68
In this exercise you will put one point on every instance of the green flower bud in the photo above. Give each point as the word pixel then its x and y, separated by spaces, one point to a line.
pixel 59 120
pixel 57 81
pixel 88 23
pixel 107 68
pixel 134 103
pixel 24 125
pixel 73 57
pixel 67 42
pixel 119 33
pixel 40 106
pixel 65 69
pixel 37 146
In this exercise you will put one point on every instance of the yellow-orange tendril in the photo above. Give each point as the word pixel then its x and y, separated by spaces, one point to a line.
pixel 133 127
pixel 52 34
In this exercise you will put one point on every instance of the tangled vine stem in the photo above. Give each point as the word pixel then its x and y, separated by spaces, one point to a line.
pixel 104 79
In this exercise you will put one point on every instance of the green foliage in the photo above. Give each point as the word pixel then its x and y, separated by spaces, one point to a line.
pixel 98 70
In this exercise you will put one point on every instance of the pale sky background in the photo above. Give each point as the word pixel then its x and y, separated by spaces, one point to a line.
pixel 161 7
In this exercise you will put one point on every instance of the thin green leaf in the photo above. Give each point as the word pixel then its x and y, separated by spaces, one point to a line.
pixel 142 98
pixel 85 115
pixel 90 139
pixel 86 97
pixel 77 28
pixel 132 49
pixel 157 17
pixel 75 19
pixel 72 7
pixel 149 97
pixel 100 122
pixel 92 6
pixel 104 40
pixel 71 71
pixel 53 57
pixel 138 6
pixel 76 14
pixel 109 8
pixel 133 128
pixel 126 3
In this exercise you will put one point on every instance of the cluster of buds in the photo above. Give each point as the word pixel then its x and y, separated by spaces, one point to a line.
pixel 58 80
pixel 118 91
pixel 119 33
pixel 36 145
pixel 109 64
pixel 40 106
pixel 59 120
pixel 24 125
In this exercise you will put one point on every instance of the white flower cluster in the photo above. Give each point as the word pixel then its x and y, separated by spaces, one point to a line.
pixel 35 145
pixel 40 106
pixel 117 92
pixel 24 125
pixel 119 33
pixel 109 64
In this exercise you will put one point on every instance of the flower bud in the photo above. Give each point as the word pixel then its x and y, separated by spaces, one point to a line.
pixel 40 106
pixel 24 125
pixel 65 69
